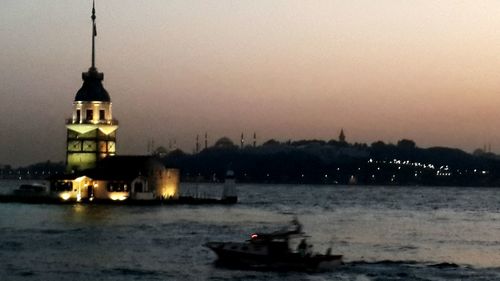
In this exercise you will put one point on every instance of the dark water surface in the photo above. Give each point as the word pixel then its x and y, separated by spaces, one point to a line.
pixel 384 233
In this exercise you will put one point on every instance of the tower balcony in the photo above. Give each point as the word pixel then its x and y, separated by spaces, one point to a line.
pixel 92 122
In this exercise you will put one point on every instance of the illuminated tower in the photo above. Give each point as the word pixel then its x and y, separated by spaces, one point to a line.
pixel 91 133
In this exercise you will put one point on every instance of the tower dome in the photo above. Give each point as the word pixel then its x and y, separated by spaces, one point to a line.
pixel 92 89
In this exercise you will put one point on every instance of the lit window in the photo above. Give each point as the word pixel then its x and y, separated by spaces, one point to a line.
pixel 62 186
pixel 116 186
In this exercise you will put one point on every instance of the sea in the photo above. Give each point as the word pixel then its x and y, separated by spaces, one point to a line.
pixel 383 232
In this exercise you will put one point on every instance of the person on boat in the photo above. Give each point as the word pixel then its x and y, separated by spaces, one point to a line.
pixel 309 250
pixel 298 225
pixel 302 247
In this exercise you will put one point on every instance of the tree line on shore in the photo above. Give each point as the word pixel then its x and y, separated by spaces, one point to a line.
pixel 334 162
pixel 318 162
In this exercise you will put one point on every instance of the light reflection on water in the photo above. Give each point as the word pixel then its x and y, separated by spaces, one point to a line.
pixel 412 228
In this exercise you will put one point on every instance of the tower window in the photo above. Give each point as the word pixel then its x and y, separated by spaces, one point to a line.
pixel 78 113
pixel 102 115
pixel 89 115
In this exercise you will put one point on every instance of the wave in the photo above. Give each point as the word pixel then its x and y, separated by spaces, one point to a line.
pixel 11 246
pixel 145 274
pixel 418 270
pixel 129 271
pixel 405 263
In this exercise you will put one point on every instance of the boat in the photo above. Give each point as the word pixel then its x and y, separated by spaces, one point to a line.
pixel 272 251
pixel 31 190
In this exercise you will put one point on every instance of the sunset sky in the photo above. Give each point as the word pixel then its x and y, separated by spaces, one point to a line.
pixel 382 70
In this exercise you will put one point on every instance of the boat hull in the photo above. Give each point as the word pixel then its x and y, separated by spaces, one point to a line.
pixel 232 255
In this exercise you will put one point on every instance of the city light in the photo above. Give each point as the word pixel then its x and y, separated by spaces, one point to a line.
pixel 118 197
pixel 65 196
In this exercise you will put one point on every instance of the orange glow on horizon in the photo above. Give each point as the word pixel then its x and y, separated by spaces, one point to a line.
pixel 384 70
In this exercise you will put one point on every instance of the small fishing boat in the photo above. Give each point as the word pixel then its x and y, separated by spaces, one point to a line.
pixel 28 190
pixel 272 251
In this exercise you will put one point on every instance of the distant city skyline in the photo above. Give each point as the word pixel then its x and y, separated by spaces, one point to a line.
pixel 381 70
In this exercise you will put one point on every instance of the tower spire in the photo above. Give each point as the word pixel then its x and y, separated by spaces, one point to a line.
pixel 94 34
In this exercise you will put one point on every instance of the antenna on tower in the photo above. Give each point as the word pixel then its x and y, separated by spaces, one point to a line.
pixel 94 34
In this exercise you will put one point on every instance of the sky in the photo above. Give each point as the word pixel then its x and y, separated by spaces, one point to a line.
pixel 381 70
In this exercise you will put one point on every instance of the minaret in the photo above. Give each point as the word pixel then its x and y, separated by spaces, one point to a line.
pixel 197 144
pixel 242 141
pixel 342 136
pixel 206 140
pixel 254 139
pixel 91 131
